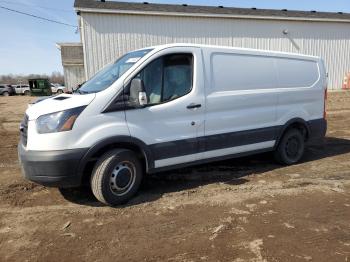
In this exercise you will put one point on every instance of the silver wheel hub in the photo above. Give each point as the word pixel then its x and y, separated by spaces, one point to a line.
pixel 122 178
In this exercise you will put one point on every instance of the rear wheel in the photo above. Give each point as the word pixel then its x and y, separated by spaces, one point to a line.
pixel 116 177
pixel 291 147
pixel 26 93
pixel 5 94
pixel 59 91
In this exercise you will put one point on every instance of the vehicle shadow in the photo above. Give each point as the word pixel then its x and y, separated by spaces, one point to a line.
pixel 233 172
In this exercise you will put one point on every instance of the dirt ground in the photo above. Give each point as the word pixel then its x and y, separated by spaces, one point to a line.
pixel 247 209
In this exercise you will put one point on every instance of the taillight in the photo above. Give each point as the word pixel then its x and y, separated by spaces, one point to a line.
pixel 324 104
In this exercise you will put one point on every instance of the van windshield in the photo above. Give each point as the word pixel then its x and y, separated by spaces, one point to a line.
pixel 112 72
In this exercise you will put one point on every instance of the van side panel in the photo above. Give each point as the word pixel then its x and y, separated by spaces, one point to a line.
pixel 301 85
pixel 240 101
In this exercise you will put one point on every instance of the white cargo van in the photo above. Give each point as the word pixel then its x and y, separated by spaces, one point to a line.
pixel 171 106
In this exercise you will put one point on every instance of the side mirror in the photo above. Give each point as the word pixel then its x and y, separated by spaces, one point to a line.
pixel 138 97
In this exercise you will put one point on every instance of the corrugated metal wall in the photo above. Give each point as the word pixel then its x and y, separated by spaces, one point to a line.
pixel 73 76
pixel 72 54
pixel 108 36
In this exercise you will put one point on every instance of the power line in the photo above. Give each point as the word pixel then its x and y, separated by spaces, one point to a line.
pixel 38 17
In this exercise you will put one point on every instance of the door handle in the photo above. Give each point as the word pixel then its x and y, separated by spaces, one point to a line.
pixel 193 105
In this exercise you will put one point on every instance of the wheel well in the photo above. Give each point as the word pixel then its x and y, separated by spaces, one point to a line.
pixel 89 166
pixel 301 126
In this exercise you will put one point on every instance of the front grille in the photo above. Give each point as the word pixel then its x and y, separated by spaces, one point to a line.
pixel 24 130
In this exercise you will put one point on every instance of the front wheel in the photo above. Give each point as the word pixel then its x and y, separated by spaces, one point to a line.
pixel 59 91
pixel 5 94
pixel 291 147
pixel 116 177
pixel 27 93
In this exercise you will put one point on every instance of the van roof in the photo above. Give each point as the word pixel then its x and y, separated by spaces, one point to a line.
pixel 240 49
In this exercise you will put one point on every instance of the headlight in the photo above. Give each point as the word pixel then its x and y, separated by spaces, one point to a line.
pixel 59 121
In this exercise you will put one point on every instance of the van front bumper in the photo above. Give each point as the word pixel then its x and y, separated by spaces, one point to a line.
pixel 52 168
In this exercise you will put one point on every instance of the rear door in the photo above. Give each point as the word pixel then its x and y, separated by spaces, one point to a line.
pixel 241 103
pixel 174 118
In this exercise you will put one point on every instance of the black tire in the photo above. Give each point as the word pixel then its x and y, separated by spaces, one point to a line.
pixel 27 93
pixel 5 93
pixel 105 184
pixel 59 91
pixel 291 147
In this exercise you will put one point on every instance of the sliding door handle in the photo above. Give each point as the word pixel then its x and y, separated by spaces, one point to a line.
pixel 193 105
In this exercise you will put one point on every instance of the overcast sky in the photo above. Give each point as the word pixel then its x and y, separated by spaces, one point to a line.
pixel 28 45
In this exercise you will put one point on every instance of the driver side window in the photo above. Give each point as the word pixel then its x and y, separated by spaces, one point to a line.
pixel 167 78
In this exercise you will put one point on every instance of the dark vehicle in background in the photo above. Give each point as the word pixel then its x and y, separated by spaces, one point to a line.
pixel 7 90
pixel 40 87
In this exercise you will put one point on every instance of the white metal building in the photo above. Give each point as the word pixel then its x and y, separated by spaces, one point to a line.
pixel 72 55
pixel 110 29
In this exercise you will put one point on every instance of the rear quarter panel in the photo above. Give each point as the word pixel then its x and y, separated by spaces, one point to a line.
pixel 304 101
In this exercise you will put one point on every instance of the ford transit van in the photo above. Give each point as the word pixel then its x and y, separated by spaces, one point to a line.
pixel 171 106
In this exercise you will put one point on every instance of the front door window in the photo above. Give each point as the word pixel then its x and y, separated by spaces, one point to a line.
pixel 167 78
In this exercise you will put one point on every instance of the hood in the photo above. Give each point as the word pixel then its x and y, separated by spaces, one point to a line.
pixel 58 103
